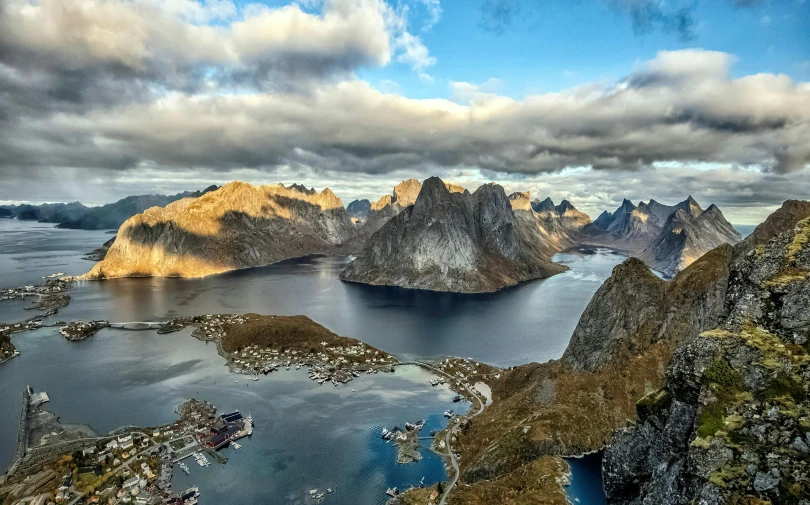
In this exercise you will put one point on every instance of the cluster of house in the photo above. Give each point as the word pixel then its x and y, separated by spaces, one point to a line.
pixel 337 356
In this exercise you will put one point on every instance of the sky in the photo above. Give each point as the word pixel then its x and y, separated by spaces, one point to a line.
pixel 589 100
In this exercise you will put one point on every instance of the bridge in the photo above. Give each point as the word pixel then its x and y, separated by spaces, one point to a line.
pixel 138 325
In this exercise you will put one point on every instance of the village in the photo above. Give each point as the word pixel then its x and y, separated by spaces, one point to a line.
pixel 285 342
pixel 130 465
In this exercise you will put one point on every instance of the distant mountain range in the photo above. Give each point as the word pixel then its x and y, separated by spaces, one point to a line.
pixel 667 237
pixel 453 241
pixel 106 217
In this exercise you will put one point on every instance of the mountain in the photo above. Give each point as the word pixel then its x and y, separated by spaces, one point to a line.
pixel 546 205
pixel 451 241
pixel 358 209
pixel 667 237
pixel 78 216
pixel 712 365
pixel 236 226
pixel 543 230
pixel 686 237
pixel 113 215
pixel 43 212
pixel 603 221
pixel 567 215
pixel 730 424
pixel 662 212
pixel 403 195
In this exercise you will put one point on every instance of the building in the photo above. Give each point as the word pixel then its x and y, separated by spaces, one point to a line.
pixel 125 443
pixel 227 428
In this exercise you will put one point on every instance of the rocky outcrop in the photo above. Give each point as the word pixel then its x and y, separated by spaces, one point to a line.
pixel 358 210
pixel 451 241
pixel 634 309
pixel 731 423
pixel 686 237
pixel 236 226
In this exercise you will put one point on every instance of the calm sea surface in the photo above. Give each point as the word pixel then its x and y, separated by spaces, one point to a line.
pixel 307 436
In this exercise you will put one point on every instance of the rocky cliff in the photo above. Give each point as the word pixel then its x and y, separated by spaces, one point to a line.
pixel 236 226
pixel 451 241
pixel 403 196
pixel 731 423
pixel 613 371
pixel 686 237
pixel 668 238
pixel 549 231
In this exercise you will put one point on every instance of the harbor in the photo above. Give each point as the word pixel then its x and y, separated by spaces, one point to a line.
pixel 128 465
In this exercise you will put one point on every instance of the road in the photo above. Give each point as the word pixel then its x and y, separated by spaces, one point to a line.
pixel 451 429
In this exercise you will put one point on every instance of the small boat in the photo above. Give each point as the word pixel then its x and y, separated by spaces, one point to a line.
pixel 448 414
pixel 255 378
pixel 385 433
pixel 392 492
pixel 237 382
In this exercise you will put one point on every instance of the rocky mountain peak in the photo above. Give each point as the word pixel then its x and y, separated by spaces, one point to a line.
pixel 451 241
pixel 686 237
pixel 520 201
pixel 564 207
pixel 603 221
pixel 406 192
pixel 236 226
pixel 303 189
pixel 546 205
pixel 358 209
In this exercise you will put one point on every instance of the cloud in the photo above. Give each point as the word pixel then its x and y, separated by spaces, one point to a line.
pixel 682 106
pixel 194 46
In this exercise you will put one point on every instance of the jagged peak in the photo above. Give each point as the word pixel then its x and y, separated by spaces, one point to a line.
pixel 405 192
pixel 520 201
pixel 382 202
pixel 302 189
pixel 546 205
pixel 564 206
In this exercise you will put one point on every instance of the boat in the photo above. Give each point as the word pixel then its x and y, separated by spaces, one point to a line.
pixel 392 492
pixel 385 433
pixel 456 398
pixel 236 446
pixel 190 495
pixel 185 469
pixel 448 414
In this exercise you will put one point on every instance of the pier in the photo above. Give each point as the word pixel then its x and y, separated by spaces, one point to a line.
pixel 22 433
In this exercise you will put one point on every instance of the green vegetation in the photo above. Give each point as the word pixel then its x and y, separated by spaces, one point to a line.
pixel 723 378
pixel 726 384
pixel 785 385
pixel 653 404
